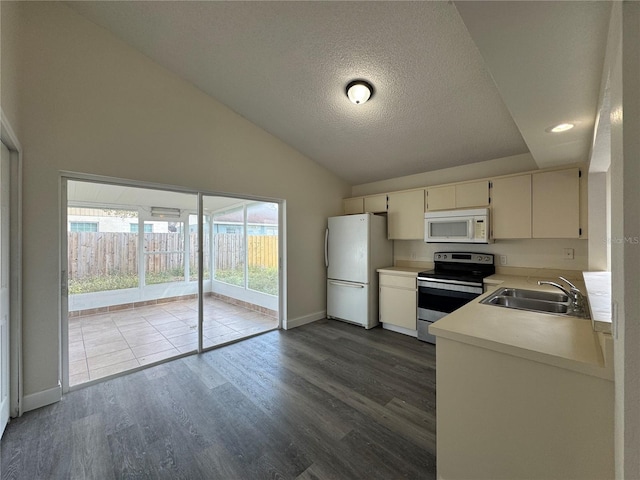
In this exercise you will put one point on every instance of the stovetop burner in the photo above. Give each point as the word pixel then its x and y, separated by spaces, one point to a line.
pixel 460 266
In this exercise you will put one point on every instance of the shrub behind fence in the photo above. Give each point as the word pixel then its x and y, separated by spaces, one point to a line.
pixel 92 254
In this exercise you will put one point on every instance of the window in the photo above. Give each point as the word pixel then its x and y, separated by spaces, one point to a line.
pixel 232 230
pixel 83 227
pixel 133 228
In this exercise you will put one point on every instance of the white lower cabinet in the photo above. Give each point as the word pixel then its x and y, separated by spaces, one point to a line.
pixel 527 419
pixel 398 302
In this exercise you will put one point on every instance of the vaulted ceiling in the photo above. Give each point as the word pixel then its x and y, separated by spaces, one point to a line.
pixel 455 82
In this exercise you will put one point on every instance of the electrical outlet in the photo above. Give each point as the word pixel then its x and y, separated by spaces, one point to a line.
pixel 568 254
pixel 413 256
pixel 503 259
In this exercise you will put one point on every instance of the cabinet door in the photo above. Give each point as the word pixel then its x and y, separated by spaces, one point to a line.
pixel 405 215
pixel 556 204
pixel 511 207
pixel 353 205
pixel 474 194
pixel 375 203
pixel 398 307
pixel 441 198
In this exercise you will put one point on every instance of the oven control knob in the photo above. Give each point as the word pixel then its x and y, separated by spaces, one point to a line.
pixel 444 256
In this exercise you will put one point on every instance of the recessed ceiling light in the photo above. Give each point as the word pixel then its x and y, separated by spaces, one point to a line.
pixel 359 91
pixel 562 127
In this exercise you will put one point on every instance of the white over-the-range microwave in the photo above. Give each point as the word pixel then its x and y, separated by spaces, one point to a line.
pixel 457 226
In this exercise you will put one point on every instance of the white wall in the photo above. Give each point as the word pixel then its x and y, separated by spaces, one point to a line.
pixel 598 220
pixel 498 166
pixel 81 100
pixel 531 253
pixel 620 192
pixel 624 70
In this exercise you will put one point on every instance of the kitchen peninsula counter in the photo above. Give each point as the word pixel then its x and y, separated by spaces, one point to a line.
pixel 522 394
pixel 558 340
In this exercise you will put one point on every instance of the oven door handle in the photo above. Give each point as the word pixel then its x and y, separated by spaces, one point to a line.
pixel 432 283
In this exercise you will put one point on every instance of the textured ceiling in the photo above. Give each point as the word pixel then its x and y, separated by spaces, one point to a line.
pixel 284 66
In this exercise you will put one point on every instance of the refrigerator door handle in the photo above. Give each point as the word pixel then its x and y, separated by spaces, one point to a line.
pixel 326 248
pixel 345 284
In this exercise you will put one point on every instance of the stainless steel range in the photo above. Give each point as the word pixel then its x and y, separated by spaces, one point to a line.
pixel 455 280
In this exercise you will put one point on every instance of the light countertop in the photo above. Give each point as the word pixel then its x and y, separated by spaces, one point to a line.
pixel 598 285
pixel 565 342
pixel 403 271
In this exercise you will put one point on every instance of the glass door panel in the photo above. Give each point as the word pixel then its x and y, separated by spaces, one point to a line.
pixel 262 247
pixel 243 296
pixel 229 247
pixel 131 302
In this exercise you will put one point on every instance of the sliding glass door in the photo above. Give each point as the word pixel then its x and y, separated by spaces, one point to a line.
pixel 243 299
pixel 144 285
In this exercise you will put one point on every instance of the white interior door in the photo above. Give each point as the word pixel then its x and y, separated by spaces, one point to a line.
pixel 4 287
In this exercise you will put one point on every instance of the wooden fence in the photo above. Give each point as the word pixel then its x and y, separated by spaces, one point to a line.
pixel 92 254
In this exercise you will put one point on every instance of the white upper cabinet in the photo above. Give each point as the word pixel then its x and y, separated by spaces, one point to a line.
pixel 538 205
pixel 556 204
pixel 353 206
pixel 375 203
pixel 511 207
pixel 475 194
pixel 541 204
pixel 368 204
pixel 462 195
pixel 405 215
pixel 441 198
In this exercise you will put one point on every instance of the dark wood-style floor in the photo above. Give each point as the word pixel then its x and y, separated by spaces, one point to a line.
pixel 326 400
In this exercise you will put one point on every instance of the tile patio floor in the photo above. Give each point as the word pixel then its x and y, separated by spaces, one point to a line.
pixel 110 343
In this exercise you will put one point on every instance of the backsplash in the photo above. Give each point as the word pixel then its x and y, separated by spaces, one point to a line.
pixel 533 253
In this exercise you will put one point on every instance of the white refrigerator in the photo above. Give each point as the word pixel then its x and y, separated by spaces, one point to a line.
pixel 355 246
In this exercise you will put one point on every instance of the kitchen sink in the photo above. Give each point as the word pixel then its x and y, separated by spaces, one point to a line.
pixel 534 301
pixel 534 295
pixel 529 304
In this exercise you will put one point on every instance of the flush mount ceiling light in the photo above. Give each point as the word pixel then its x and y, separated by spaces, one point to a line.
pixel 562 127
pixel 359 91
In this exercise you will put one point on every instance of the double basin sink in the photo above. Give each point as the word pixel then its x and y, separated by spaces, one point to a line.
pixel 534 301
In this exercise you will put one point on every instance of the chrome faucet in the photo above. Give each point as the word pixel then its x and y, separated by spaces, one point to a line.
pixel 569 293
pixel 574 293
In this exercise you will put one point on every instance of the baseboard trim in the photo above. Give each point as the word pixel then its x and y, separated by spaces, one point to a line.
pixel 298 322
pixel 41 399
pixel 397 329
